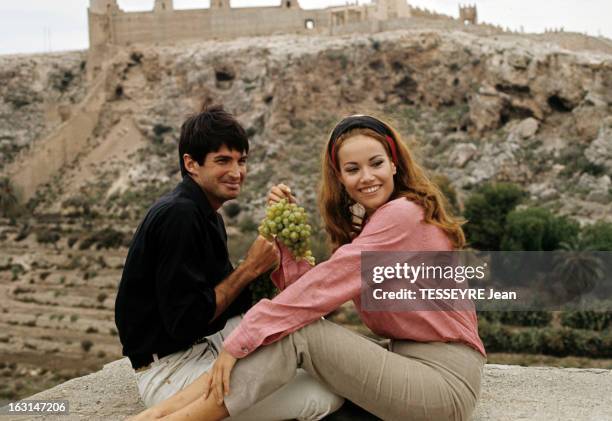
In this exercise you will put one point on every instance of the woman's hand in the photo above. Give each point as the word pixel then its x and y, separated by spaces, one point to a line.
pixel 279 192
pixel 219 380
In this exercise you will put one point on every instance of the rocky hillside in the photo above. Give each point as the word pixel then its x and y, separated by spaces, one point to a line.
pixel 37 92
pixel 474 109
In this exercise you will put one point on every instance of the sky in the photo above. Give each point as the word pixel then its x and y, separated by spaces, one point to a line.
pixel 28 26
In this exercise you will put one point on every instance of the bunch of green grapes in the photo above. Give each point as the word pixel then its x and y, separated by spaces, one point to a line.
pixel 288 222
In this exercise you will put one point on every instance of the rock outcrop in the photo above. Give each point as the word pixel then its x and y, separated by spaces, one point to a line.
pixel 509 393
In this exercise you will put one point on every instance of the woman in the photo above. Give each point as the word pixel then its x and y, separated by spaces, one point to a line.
pixel 433 366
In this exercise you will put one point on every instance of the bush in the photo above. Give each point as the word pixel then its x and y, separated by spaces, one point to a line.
pixel 81 204
pixel 232 209
pixel 106 238
pixel 160 129
pixel 248 225
pixel 486 211
pixel 598 236
pixel 47 236
pixel 86 345
pixel 587 319
pixel 559 342
pixel 448 191
pixel 9 203
pixel 536 229
pixel 518 318
pixel 495 337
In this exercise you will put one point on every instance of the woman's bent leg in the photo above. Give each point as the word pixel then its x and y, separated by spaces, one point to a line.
pixel 304 398
pixel 388 385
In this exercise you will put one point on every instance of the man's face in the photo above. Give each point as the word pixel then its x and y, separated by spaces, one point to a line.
pixel 220 176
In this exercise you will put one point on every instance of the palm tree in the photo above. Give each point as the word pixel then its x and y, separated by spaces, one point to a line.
pixel 577 268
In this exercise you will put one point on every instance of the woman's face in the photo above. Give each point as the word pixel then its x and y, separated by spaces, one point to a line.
pixel 366 171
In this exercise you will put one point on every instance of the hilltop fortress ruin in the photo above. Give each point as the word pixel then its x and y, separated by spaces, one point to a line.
pixel 110 26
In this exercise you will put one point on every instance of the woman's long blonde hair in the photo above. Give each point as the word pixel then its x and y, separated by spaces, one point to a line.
pixel 410 182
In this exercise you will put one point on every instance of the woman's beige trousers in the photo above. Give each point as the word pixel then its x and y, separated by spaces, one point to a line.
pixel 410 381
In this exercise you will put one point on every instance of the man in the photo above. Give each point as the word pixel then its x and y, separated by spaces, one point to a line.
pixel 179 296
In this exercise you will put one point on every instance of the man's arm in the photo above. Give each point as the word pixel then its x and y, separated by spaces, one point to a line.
pixel 261 256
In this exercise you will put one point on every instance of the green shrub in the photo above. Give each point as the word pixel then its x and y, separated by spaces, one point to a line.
pixel 519 318
pixel 47 236
pixel 576 162
pixel 82 205
pixel 527 341
pixel 106 238
pixel 448 191
pixel 537 229
pixel 248 225
pixel 9 203
pixel 559 342
pixel 161 129
pixel 587 319
pixel 86 345
pixel 598 236
pixel 495 337
pixel 232 209
pixel 486 212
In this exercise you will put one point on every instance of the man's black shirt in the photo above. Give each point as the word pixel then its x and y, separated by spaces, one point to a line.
pixel 166 298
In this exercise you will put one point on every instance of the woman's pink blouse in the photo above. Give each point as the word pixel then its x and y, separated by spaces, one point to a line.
pixel 308 293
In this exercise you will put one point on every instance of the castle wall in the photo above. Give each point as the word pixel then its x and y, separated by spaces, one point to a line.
pixel 98 29
pixel 36 165
pixel 146 27
pixel 165 26
pixel 412 23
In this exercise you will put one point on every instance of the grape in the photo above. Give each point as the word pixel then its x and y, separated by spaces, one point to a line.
pixel 289 224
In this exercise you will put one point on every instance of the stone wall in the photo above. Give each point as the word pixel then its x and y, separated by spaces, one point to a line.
pixel 508 393
pixel 109 25
pixel 37 164
pixel 147 27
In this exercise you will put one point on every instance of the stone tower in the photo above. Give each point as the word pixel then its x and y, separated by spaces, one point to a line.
pixel 288 4
pixel 100 15
pixel 101 7
pixel 468 14
pixel 391 9
pixel 219 4
pixel 163 6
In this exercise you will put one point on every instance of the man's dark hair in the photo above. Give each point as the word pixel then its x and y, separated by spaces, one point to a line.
pixel 207 131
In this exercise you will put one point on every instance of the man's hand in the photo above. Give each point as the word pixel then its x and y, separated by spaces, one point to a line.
pixel 279 192
pixel 262 256
pixel 218 382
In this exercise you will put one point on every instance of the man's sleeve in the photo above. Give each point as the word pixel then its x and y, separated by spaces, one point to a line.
pixel 186 298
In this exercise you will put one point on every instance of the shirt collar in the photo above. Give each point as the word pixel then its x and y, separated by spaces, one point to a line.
pixel 195 192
